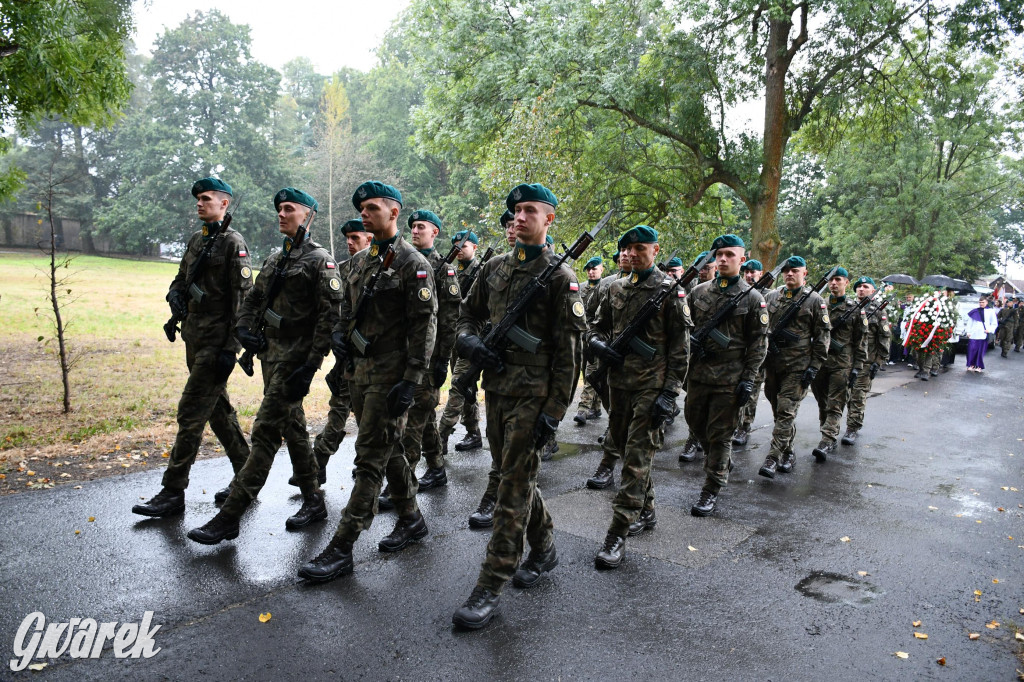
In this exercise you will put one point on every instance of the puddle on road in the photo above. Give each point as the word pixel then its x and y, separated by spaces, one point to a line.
pixel 833 588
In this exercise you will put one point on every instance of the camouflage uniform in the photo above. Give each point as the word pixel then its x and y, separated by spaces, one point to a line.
pixel 401 325
pixel 711 409
pixel 785 366
pixel 635 384
pixel 529 385
pixel 457 404
pixel 1018 334
pixel 308 305
pixel 421 429
pixel 848 350
pixel 207 331
pixel 1007 318
pixel 591 294
pixel 749 410
pixel 878 336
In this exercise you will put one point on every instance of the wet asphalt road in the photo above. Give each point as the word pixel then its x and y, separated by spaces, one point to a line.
pixel 770 591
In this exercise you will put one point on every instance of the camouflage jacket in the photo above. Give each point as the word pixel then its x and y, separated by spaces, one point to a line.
pixel 668 332
pixel 226 277
pixel 1007 317
pixel 589 292
pixel 879 334
pixel 811 327
pixel 449 298
pixel 557 318
pixel 306 302
pixel 848 343
pixel 468 272
pixel 746 328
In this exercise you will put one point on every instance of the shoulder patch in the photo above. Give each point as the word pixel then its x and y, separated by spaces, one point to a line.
pixel 329 265
pixel 823 306
pixel 453 289
pixel 680 294
pixel 243 254
pixel 764 318
pixel 577 309
pixel 421 274
pixel 763 304
pixel 574 286
pixel 335 284
pixel 246 272
pixel 824 318
pixel 451 272
pixel 424 294
pixel 686 309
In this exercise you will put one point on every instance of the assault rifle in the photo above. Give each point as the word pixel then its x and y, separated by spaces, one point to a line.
pixel 507 328
pixel 265 315
pixel 779 336
pixel 836 346
pixel 488 254
pixel 193 289
pixel 710 328
pixel 628 339
pixel 450 258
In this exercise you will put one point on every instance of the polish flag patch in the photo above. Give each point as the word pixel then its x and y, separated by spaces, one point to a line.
pixel 243 254
pixel 680 294
pixel 573 286
pixel 822 306
pixel 451 272
pixel 763 304
pixel 330 265
pixel 421 274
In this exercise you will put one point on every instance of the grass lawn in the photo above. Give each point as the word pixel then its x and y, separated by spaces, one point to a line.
pixel 125 381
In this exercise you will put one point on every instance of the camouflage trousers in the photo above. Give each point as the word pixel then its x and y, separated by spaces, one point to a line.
pixel 420 435
pixel 830 389
pixel 712 414
pixel 783 390
pixel 520 513
pixel 929 362
pixel 589 399
pixel 629 423
pixel 857 403
pixel 203 400
pixel 1005 336
pixel 1018 335
pixel 277 419
pixel 457 405
pixel 329 440
pixel 749 410
pixel 378 454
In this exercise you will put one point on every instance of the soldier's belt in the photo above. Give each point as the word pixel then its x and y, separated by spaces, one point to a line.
pixel 512 357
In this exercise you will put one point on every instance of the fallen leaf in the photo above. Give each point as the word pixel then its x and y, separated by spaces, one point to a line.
pixel 978 521
pixel 37 666
pixel 1000 509
pixel 78 532
pixel 977 593
pixel 30 473
pixel 691 548
pixel 902 654
pixel 941 661
pixel 1013 489
pixel 264 617
pixel 917 623
pixel 77 487
pixel 933 508
pixel 862 573
pixel 91 519
pixel 995 580
pixel 992 626
pixel 1005 487
pixel 165 455
pixel 844 539
pixel 920 635
pixel 1019 636
pixel 973 635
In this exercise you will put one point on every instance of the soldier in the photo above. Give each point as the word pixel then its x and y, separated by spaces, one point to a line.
pixel 720 380
pixel 390 347
pixel 209 310
pixel 641 393
pixel 751 271
pixel 1018 334
pixel 847 356
pixel 692 449
pixel 879 333
pixel 291 349
pixel 340 403
pixel 508 223
pixel 674 267
pixel 791 367
pixel 467 269
pixel 527 395
pixel 590 402
pixel 1007 318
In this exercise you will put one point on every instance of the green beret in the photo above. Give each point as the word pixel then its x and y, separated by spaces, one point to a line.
pixel 727 240
pixel 641 234
pixel 506 218
pixel 210 185
pixel 794 262
pixel 615 257
pixel 472 237
pixel 296 196
pixel 675 262
pixel 427 216
pixel 699 258
pixel 593 263
pixel 534 192
pixel 841 272
pixel 354 225
pixel 864 280
pixel 752 264
pixel 375 190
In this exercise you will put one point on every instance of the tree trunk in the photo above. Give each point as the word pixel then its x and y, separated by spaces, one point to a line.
pixel 55 302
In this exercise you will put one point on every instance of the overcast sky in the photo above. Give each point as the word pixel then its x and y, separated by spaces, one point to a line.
pixel 332 34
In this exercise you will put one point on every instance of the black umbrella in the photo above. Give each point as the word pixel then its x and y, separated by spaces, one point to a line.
pixel 940 281
pixel 964 287
pixel 900 279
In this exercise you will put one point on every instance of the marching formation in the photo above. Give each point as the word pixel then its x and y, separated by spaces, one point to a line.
pixel 399 316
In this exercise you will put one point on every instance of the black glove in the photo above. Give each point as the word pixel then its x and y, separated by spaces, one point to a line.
pixel 873 370
pixel 338 344
pixel 854 373
pixel 544 429
pixel 602 350
pixel 334 379
pixel 440 373
pixel 224 366
pixel 400 397
pixel 251 342
pixel 296 386
pixel 472 348
pixel 744 390
pixel 178 302
pixel 808 377
pixel 664 406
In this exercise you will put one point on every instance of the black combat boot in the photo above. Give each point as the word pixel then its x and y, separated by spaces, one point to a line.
pixel 1003 354
pixel 433 478
pixel 313 509
pixel 220 527
pixel 406 530
pixel 787 463
pixel 611 553
pixel 334 561
pixel 921 375
pixel 483 517
pixel 549 450
pixel 739 439
pixel 536 564
pixel 824 449
pixel 581 418
pixel 705 503
pixel 601 479
pixel 690 450
pixel 472 441
pixel 384 502
pixel 478 610
pixel 222 495
pixel 769 468
pixel 646 521
pixel 167 502
pixel 850 437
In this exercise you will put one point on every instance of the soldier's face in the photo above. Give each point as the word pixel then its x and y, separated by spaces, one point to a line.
pixel 864 290
pixel 641 256
pixel 794 277
pixel 676 271
pixel 707 272
pixel 357 241
pixel 594 273
pixel 729 259
pixel 467 252
pixel 378 215
pixel 290 216
pixel 423 233
pixel 533 218
pixel 837 285
pixel 211 206
pixel 752 276
pixel 510 232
